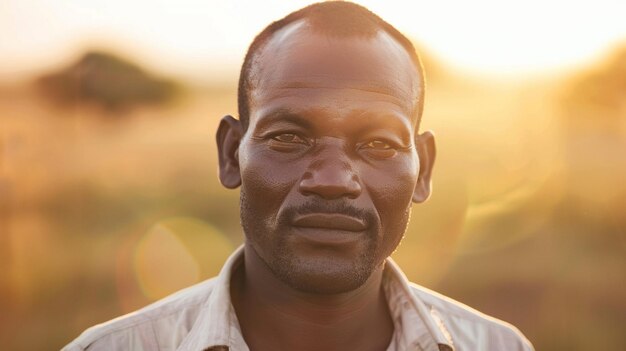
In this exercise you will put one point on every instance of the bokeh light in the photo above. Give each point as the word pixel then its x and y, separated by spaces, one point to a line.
pixel 163 264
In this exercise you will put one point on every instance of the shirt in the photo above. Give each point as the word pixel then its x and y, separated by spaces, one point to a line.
pixel 202 318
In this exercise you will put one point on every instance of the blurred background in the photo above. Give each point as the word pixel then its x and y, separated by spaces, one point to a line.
pixel 109 198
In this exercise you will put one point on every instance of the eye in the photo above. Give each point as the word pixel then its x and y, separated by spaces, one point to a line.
pixel 377 145
pixel 288 142
pixel 379 149
pixel 289 138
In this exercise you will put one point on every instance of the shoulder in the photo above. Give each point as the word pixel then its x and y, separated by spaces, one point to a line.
pixel 139 330
pixel 468 328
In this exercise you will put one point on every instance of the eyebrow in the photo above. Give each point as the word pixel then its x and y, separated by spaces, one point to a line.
pixel 391 121
pixel 283 115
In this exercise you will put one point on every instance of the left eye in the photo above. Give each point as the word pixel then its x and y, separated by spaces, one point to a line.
pixel 377 145
pixel 379 149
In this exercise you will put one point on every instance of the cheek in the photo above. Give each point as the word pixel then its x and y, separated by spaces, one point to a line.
pixel 391 189
pixel 266 179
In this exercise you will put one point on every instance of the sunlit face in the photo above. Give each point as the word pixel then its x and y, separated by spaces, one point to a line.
pixel 328 164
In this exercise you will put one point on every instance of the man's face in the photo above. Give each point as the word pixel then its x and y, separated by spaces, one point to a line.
pixel 328 164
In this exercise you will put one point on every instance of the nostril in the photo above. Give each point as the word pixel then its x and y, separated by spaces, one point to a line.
pixel 330 185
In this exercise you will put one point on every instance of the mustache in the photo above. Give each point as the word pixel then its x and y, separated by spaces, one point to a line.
pixel 342 207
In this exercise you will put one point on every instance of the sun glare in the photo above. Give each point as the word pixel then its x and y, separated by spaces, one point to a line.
pixel 208 38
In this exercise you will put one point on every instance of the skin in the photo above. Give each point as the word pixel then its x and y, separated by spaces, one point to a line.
pixel 328 167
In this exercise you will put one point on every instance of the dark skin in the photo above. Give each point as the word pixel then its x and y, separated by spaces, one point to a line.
pixel 328 167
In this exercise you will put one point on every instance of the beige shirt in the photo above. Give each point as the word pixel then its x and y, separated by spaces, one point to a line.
pixel 202 317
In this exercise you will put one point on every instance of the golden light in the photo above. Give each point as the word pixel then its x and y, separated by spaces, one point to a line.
pixel 189 36
pixel 103 210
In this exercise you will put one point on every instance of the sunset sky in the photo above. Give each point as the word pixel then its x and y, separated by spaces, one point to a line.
pixel 193 38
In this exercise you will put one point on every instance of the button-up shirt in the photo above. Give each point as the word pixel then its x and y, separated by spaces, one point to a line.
pixel 202 317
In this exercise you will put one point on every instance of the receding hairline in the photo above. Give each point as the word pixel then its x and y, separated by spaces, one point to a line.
pixel 337 19
pixel 302 28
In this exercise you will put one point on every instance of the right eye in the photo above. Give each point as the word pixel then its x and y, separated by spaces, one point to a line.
pixel 289 138
pixel 288 142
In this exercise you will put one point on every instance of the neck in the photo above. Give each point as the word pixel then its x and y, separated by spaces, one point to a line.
pixel 275 316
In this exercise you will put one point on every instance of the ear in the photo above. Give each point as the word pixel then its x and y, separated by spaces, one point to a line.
pixel 228 137
pixel 425 144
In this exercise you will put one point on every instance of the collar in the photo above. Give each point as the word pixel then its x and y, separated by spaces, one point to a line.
pixel 217 327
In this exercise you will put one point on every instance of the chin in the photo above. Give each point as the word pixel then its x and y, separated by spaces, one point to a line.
pixel 325 274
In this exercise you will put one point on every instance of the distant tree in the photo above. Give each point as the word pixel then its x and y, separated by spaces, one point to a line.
pixel 108 81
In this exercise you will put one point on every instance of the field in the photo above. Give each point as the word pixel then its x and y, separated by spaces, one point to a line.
pixel 104 210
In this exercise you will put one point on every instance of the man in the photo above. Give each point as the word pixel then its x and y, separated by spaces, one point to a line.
pixel 329 159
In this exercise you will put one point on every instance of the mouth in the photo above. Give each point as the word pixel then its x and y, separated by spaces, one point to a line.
pixel 330 221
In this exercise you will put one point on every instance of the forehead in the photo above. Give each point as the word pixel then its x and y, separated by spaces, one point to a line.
pixel 300 61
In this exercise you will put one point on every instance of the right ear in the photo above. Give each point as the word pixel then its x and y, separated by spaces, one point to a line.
pixel 228 137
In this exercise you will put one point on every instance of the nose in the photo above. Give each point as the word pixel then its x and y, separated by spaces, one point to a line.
pixel 331 176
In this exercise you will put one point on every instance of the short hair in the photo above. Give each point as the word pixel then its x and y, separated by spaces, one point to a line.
pixel 336 18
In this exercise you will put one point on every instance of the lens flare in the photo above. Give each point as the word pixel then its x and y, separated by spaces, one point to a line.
pixel 176 253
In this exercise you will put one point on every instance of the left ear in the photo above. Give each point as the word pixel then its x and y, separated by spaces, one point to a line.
pixel 425 144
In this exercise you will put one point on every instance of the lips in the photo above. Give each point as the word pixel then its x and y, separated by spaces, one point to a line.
pixel 330 221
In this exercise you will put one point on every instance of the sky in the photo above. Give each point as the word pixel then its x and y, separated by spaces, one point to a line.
pixel 208 39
